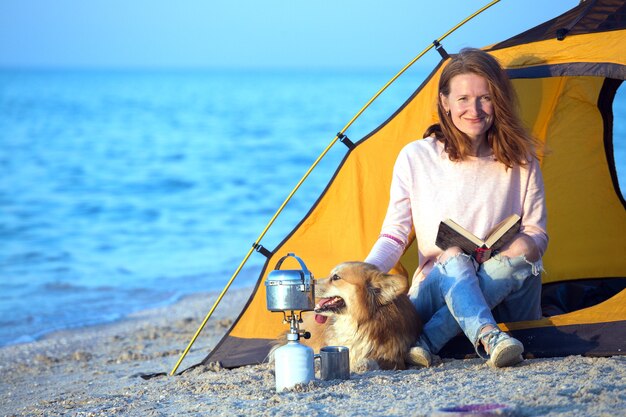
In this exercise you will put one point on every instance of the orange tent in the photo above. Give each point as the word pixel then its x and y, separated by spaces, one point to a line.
pixel 566 72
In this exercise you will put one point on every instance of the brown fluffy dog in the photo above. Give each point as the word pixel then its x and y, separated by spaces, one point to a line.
pixel 367 311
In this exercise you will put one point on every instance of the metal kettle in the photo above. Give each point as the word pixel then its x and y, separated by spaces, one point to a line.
pixel 290 290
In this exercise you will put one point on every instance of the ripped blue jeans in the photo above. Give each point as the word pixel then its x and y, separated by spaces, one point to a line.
pixel 461 295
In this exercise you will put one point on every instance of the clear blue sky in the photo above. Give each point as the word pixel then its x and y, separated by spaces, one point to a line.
pixel 250 33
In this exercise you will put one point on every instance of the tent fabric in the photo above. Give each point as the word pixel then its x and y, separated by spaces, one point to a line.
pixel 565 88
pixel 588 17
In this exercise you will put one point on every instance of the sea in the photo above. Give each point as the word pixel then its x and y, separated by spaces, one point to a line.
pixel 126 190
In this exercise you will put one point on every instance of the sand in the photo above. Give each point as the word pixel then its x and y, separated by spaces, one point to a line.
pixel 95 372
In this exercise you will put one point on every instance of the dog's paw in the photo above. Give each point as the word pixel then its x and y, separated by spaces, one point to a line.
pixel 365 365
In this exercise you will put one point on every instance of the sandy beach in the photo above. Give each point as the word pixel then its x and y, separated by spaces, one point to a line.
pixel 96 371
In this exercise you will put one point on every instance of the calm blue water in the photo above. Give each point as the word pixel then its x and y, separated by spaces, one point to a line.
pixel 124 190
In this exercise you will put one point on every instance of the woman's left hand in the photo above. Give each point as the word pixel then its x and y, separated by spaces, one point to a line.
pixel 522 245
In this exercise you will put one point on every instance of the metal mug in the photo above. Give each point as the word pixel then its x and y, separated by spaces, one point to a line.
pixel 335 362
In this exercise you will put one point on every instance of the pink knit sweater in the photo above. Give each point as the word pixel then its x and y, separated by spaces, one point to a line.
pixel 477 193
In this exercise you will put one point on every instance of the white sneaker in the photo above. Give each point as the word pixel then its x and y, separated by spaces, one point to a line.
pixel 503 350
pixel 419 355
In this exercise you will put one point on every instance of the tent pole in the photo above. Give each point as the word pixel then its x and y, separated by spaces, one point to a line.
pixel 413 61
pixel 210 313
pixel 308 172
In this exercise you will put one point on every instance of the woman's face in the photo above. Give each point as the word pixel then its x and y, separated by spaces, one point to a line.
pixel 469 104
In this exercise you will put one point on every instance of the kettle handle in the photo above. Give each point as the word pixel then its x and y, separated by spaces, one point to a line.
pixel 300 261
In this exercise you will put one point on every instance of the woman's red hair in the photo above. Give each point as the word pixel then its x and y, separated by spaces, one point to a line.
pixel 507 137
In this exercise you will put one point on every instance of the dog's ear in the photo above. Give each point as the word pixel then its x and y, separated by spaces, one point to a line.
pixel 388 287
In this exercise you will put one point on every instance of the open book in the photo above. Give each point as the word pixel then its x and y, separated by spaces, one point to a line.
pixel 452 234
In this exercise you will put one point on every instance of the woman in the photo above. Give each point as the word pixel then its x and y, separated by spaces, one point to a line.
pixel 477 167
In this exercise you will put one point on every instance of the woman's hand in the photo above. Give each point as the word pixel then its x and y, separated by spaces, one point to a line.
pixel 522 245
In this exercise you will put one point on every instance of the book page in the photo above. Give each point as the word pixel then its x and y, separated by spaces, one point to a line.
pixel 503 232
pixel 463 232
pixel 447 237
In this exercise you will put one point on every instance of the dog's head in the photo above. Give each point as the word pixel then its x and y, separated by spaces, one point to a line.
pixel 358 289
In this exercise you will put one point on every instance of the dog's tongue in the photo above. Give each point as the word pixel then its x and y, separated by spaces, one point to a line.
pixel 318 317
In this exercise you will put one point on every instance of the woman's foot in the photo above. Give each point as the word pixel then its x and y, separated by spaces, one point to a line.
pixel 419 355
pixel 502 350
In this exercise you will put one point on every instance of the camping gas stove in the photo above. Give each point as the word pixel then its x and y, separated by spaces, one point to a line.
pixel 290 292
